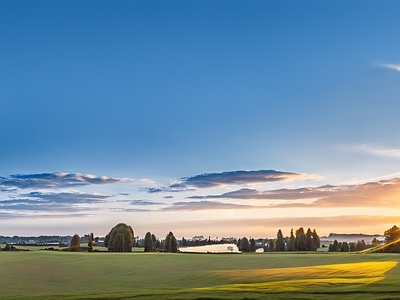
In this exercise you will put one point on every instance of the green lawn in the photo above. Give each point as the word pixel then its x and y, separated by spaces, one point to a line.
pixel 68 275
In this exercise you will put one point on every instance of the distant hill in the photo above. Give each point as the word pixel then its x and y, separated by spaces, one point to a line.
pixel 352 237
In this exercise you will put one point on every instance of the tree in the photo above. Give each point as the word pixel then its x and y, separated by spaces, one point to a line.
pixel 154 240
pixel 334 247
pixel 158 244
pixel 252 245
pixel 352 247
pixel 301 240
pixel 280 241
pixel 374 242
pixel 75 243
pixel 360 245
pixel 244 245
pixel 120 238
pixel 184 242
pixel 291 244
pixel 309 240
pixel 345 247
pixel 170 244
pixel 392 234
pixel 90 244
pixel 316 240
pixel 148 243
pixel 392 239
pixel 271 245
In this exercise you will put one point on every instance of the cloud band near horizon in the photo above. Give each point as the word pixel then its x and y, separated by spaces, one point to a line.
pixel 211 180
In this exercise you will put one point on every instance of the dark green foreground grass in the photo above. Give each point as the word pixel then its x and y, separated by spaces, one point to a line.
pixel 66 275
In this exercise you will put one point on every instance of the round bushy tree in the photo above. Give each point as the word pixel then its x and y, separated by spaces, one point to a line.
pixel 120 238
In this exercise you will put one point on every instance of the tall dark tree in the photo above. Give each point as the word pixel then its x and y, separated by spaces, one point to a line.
pixel 75 243
pixel 316 240
pixel 120 238
pixel 345 247
pixel 148 243
pixel 291 244
pixel 374 242
pixel 170 244
pixel 271 245
pixel 184 242
pixel 154 240
pixel 280 241
pixel 352 246
pixel 238 244
pixel 244 245
pixel 360 245
pixel 252 245
pixel 301 240
pixel 309 240
pixel 334 247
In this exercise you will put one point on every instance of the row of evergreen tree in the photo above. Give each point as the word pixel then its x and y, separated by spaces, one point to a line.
pixel 298 241
pixel 350 246
pixel 152 244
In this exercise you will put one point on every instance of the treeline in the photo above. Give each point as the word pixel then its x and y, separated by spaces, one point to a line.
pixel 351 246
pixel 297 241
pixel 152 244
pixel 121 239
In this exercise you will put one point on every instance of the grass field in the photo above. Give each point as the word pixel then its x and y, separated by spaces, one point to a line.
pixel 67 275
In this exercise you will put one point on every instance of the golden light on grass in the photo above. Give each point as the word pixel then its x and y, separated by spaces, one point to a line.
pixel 287 279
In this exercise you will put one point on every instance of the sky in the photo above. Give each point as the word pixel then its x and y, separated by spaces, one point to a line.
pixel 214 118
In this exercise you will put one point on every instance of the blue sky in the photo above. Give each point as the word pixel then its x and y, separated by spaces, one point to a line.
pixel 200 101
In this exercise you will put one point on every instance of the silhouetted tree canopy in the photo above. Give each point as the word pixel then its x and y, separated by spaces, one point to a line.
pixel 334 247
pixel 148 243
pixel 280 241
pixel 301 240
pixel 244 245
pixel 291 244
pixel 316 240
pixel 170 244
pixel 252 245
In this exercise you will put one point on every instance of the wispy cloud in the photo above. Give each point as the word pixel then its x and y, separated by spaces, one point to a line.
pixel 138 210
pixel 392 66
pixel 144 202
pixel 378 151
pixel 203 205
pixel 68 197
pixel 47 202
pixel 384 193
pixel 52 180
pixel 210 180
pixel 375 150
pixel 26 205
